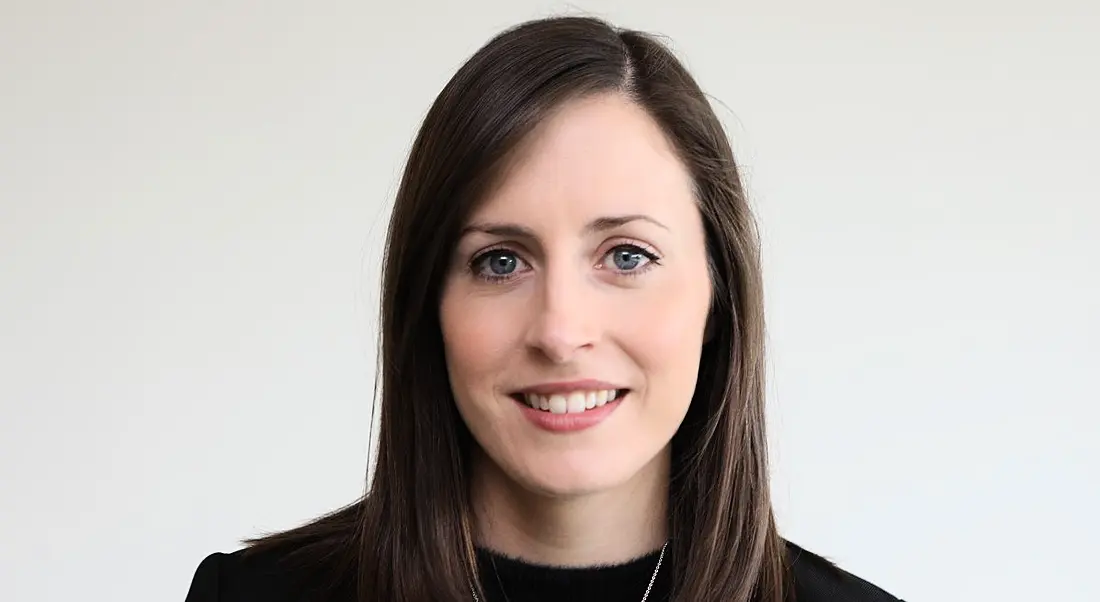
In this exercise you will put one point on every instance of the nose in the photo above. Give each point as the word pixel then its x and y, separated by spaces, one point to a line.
pixel 564 318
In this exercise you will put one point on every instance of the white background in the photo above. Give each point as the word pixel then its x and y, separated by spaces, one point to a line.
pixel 193 197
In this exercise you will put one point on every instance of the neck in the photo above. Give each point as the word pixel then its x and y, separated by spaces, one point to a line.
pixel 606 527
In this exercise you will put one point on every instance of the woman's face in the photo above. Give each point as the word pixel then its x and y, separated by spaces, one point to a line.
pixel 574 309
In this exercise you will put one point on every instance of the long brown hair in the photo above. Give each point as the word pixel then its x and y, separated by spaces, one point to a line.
pixel 410 538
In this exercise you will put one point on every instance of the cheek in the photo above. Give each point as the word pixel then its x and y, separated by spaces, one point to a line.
pixel 476 339
pixel 665 335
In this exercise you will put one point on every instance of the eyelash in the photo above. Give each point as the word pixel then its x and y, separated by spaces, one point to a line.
pixel 637 247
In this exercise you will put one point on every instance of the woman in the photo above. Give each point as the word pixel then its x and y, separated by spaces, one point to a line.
pixel 572 355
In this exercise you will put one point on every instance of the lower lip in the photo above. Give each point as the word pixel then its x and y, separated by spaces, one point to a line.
pixel 566 423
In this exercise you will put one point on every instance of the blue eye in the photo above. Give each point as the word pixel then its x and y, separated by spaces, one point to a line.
pixel 500 263
pixel 497 264
pixel 629 258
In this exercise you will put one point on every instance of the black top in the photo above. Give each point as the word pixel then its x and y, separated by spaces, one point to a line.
pixel 258 578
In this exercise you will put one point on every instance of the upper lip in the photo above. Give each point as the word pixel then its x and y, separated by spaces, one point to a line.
pixel 567 387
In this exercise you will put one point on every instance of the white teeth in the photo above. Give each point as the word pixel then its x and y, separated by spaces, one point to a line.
pixel 558 404
pixel 570 403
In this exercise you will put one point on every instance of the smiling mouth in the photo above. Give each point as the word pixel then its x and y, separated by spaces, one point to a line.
pixel 574 402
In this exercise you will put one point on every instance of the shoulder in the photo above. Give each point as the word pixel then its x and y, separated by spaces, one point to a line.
pixel 819 580
pixel 261 576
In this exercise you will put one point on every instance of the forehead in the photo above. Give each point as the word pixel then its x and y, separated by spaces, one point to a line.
pixel 601 154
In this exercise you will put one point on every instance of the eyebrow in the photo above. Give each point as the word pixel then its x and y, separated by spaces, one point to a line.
pixel 600 224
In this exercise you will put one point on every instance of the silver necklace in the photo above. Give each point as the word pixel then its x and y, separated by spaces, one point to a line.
pixel 648 588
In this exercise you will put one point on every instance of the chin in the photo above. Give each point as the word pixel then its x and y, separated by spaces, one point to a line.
pixel 569 485
pixel 580 477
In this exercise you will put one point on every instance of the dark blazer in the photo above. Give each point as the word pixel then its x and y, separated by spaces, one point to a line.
pixel 259 577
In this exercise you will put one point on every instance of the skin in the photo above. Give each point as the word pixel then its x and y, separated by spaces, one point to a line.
pixel 566 301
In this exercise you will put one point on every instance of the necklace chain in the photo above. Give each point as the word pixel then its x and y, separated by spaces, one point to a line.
pixel 648 588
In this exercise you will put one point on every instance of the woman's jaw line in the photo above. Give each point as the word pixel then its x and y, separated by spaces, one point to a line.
pixel 598 527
